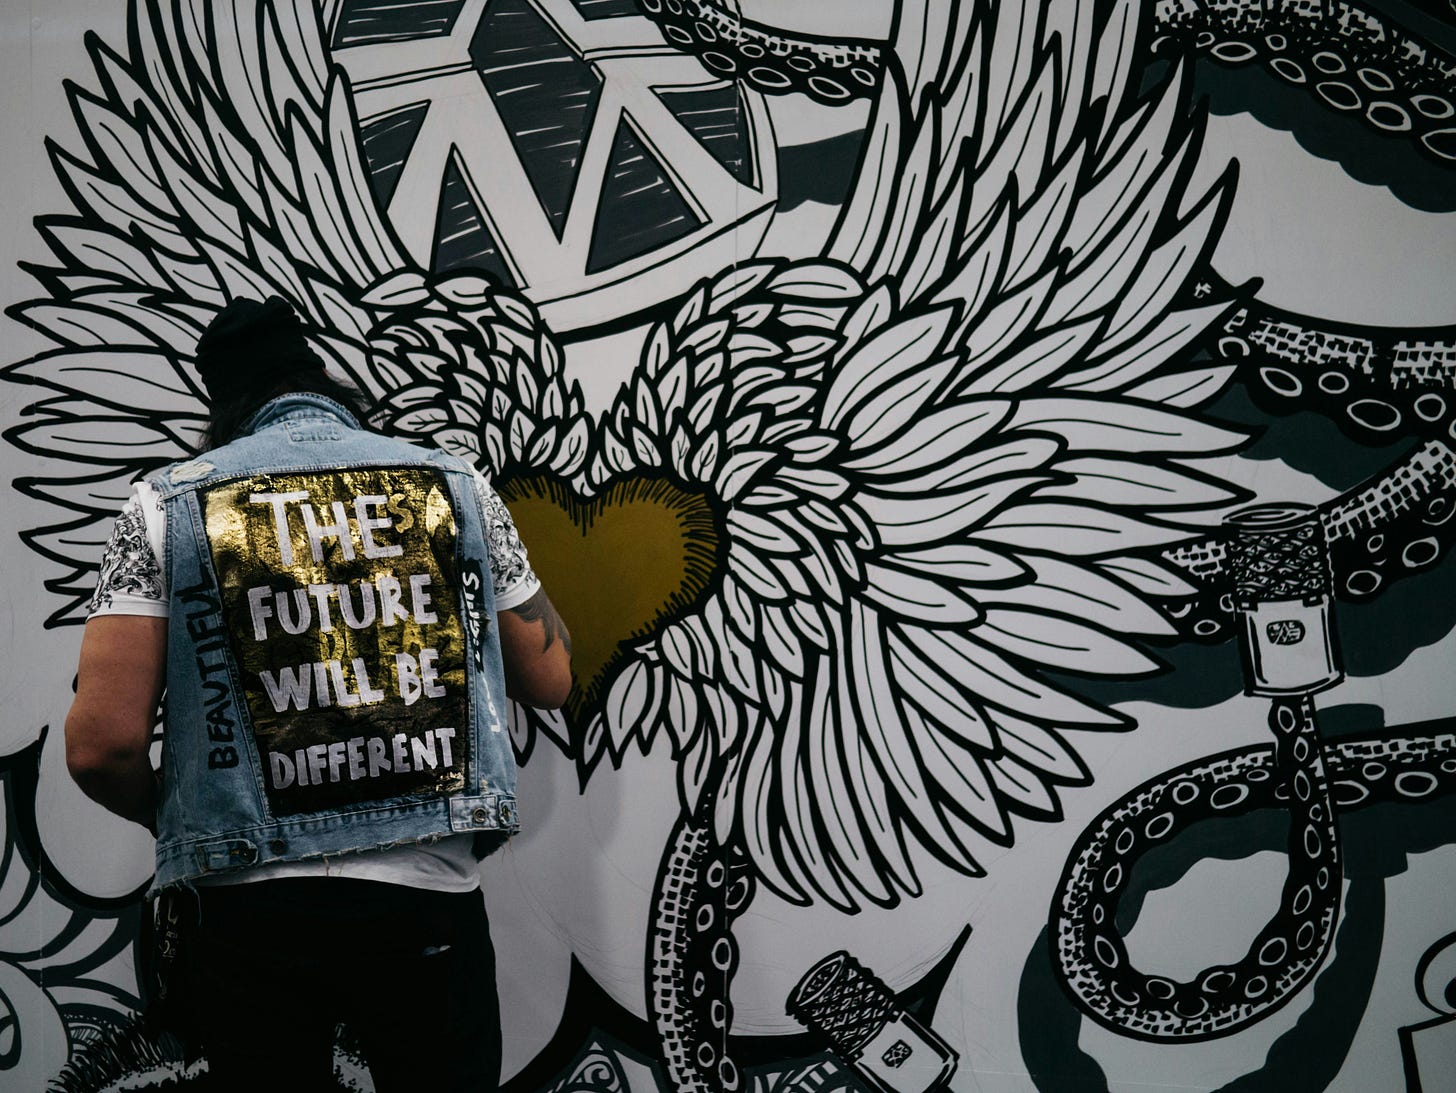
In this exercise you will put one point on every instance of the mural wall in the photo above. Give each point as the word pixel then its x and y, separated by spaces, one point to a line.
pixel 997 461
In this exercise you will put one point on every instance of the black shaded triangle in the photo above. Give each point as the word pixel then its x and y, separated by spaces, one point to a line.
pixel 716 117
pixel 362 22
pixel 463 240
pixel 546 97
pixel 591 10
pixel 387 142
pixel 641 209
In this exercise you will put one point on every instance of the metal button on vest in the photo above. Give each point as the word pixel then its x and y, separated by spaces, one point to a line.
pixel 480 815
pixel 277 846
pixel 248 855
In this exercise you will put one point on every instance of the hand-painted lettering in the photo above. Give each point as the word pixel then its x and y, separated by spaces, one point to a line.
pixel 338 531
pixel 417 676
pixel 200 593
pixel 279 501
pixel 476 618
pixel 336 621
pixel 199 628
pixel 219 725
pixel 321 684
pixel 345 760
pixel 386 597
pixel 204 625
pixel 391 609
pixel 342 531
pixel 420 598
pixel 368 525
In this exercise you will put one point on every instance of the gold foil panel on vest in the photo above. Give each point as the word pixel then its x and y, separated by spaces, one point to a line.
pixel 341 596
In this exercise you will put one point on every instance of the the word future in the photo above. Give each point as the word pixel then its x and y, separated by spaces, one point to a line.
pixel 383 601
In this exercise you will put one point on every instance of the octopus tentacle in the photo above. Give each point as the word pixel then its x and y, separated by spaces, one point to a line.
pixel 1377 383
pixel 702 888
pixel 1313 782
pixel 770 59
pixel 1399 525
pixel 1356 61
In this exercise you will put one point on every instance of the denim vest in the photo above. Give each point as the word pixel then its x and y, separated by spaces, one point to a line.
pixel 334 678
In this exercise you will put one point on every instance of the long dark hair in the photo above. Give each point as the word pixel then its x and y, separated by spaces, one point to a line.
pixel 228 414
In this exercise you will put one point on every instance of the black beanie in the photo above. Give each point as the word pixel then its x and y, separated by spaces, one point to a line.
pixel 252 345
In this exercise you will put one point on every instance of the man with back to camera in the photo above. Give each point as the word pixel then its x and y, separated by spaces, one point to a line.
pixel 337 618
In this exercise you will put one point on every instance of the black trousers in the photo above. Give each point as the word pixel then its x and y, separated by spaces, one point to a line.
pixel 271 967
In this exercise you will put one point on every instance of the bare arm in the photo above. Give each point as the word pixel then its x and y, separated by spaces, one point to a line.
pixel 536 648
pixel 119 682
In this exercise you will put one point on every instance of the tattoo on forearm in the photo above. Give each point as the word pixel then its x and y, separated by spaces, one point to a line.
pixel 539 608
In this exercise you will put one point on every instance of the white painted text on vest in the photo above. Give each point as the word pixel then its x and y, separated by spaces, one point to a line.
pixel 340 529
pixel 361 757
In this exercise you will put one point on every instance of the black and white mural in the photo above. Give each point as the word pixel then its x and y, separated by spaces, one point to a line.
pixel 997 460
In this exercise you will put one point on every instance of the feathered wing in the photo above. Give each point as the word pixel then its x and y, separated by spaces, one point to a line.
pixel 221 159
pixel 935 451
pixel 932 451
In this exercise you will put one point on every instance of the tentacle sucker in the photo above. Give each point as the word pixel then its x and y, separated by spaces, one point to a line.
pixel 1397 526
pixel 701 889
pixel 769 59
pixel 1357 772
pixel 1286 952
pixel 1354 60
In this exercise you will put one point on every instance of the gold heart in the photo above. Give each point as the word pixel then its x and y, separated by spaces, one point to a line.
pixel 617 568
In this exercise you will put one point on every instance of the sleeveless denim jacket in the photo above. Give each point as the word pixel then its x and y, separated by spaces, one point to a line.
pixel 334 678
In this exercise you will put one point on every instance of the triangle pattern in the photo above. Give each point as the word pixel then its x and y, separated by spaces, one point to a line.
pixel 641 209
pixel 368 22
pixel 716 117
pixel 463 239
pixel 548 119
pixel 387 142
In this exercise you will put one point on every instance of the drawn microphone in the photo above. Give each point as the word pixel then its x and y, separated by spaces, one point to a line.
pixel 1281 572
pixel 845 1002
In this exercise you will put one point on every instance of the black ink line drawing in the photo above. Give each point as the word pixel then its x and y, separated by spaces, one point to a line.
pixel 917 472
pixel 1281 589
pixel 890 1050
pixel 1396 527
pixel 1424 1045
pixel 769 59
pixel 1353 58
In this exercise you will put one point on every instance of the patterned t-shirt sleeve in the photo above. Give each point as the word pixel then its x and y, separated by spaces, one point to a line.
pixel 511 574
pixel 130 581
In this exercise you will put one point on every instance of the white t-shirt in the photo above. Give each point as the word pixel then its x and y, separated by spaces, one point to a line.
pixel 133 582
